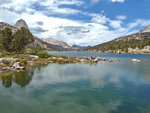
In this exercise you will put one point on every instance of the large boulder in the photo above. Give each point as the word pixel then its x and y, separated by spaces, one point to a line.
pixel 33 57
pixel 96 59
pixel 18 66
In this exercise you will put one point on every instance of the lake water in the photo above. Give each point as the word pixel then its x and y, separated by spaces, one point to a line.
pixel 119 87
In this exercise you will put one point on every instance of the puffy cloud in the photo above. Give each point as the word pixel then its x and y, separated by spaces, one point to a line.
pixel 115 23
pixel 39 23
pixel 37 30
pixel 121 17
pixel 8 16
pixel 99 18
pixel 139 22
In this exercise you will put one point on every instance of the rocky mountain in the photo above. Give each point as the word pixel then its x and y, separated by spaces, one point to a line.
pixel 135 43
pixel 21 23
pixel 147 29
pixel 3 25
pixel 58 45
pixel 80 47
pixel 48 44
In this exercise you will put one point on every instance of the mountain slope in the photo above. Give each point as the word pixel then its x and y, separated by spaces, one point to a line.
pixel 58 45
pixel 3 25
pixel 135 43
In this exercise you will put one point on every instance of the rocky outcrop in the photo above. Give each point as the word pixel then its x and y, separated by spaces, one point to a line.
pixel 147 29
pixel 21 23
pixel 3 25
pixel 18 66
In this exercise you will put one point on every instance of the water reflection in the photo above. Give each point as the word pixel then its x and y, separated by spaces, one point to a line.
pixel 121 87
pixel 22 78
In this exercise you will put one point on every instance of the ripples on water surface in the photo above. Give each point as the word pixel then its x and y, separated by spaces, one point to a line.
pixel 122 87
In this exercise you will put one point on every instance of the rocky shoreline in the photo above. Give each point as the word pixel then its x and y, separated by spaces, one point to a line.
pixel 8 64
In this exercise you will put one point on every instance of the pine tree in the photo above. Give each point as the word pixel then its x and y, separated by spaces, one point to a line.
pixel 23 37
pixel 6 39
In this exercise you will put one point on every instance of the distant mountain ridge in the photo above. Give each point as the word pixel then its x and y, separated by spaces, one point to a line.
pixel 80 47
pixel 135 43
pixel 60 44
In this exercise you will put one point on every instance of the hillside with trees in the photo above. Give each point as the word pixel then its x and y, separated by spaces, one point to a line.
pixel 135 43
pixel 15 42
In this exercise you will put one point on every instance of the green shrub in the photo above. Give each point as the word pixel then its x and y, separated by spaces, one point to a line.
pixel 42 54
pixel 6 62
pixel 5 53
pixel 15 42
pixel 34 50
pixel 63 56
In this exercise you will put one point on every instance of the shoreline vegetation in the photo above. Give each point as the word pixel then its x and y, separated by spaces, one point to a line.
pixel 11 62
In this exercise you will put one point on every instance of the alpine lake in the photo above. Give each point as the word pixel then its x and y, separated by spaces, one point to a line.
pixel 106 87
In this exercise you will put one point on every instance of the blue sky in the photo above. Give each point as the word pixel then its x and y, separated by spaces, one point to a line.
pixel 81 22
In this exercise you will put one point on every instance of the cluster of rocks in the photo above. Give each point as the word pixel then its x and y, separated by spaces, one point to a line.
pixel 95 59
pixel 9 64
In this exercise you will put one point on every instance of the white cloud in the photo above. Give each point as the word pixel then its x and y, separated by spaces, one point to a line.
pixel 139 22
pixel 115 23
pixel 121 1
pixel 121 17
pixel 8 16
pixel 99 18
pixel 53 6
